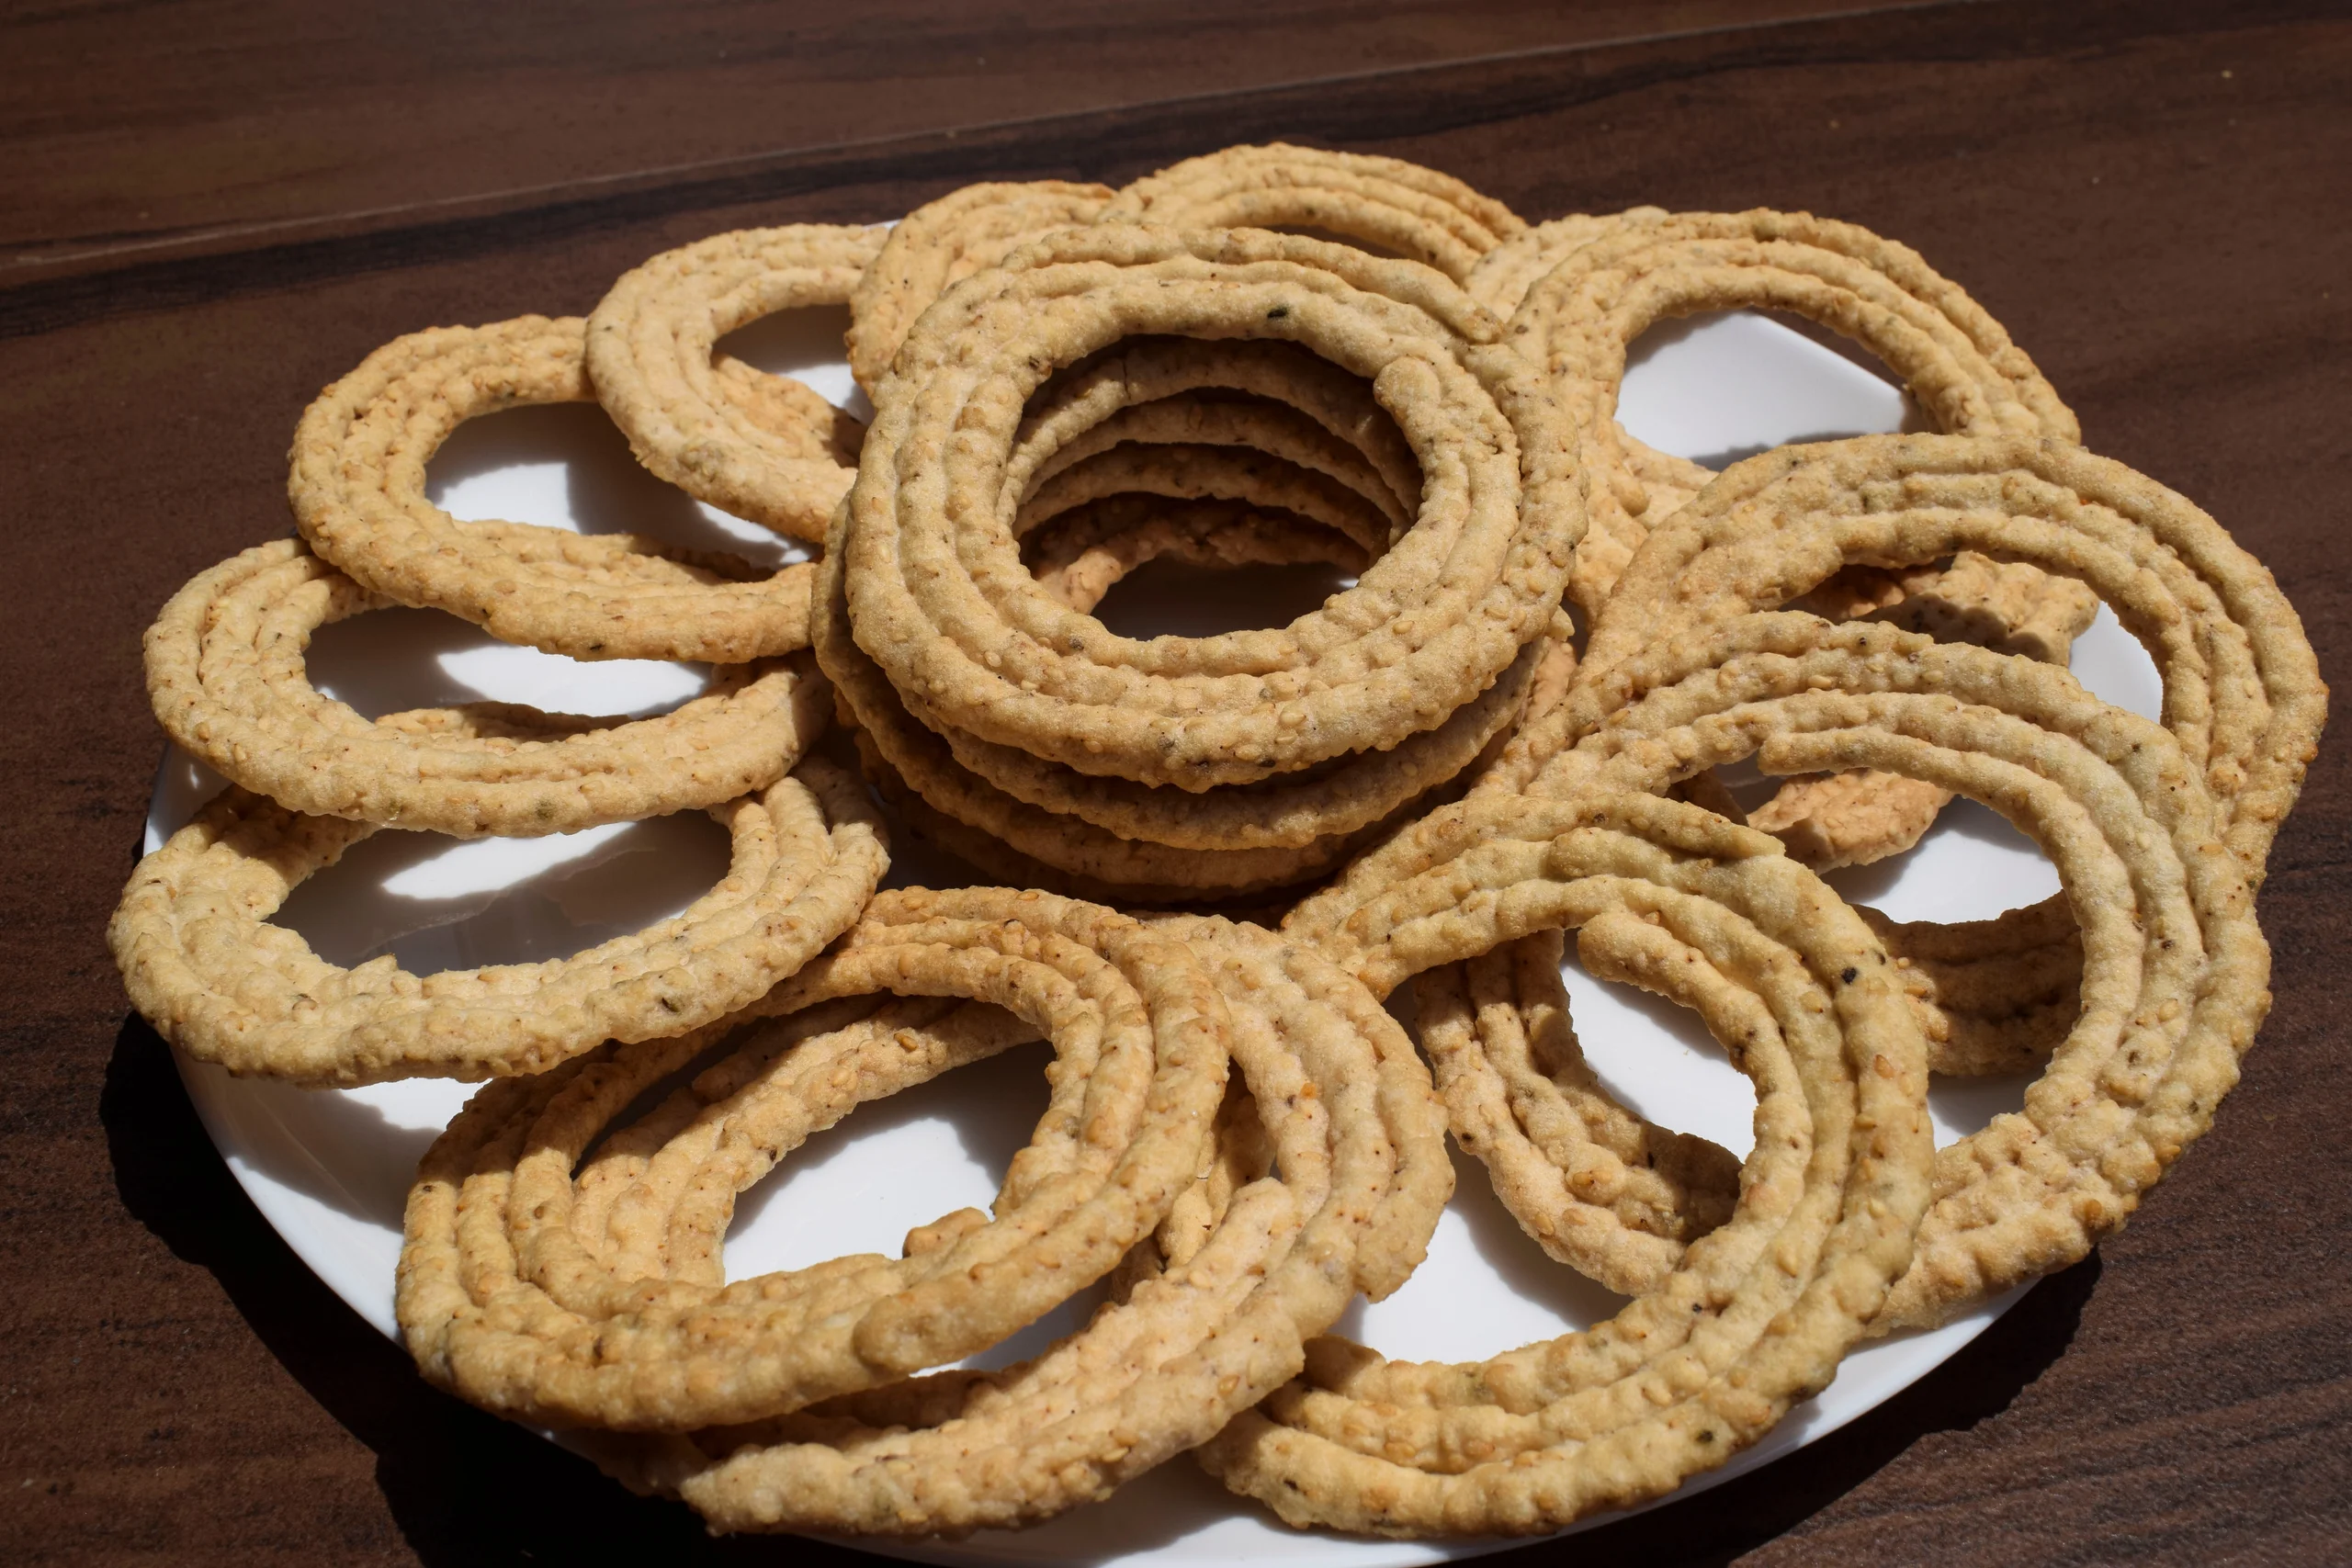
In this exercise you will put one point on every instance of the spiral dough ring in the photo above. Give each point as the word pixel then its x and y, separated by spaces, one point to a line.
pixel 763 447
pixel 225 672
pixel 204 966
pixel 2173 968
pixel 357 485
pixel 1757 1314
pixel 500 1301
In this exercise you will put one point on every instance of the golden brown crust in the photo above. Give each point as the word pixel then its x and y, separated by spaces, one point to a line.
pixel 1615 1197
pixel 948 613
pixel 2242 693
pixel 1578 320
pixel 1333 1086
pixel 2173 968
pixel 500 1300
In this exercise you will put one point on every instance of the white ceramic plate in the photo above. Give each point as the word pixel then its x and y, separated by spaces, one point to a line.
pixel 330 1170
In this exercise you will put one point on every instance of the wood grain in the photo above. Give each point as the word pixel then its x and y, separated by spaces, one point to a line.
pixel 2150 196
pixel 140 127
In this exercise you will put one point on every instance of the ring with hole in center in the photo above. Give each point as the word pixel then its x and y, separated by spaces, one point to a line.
pixel 1598 282
pixel 939 599
pixel 502 1303
pixel 1757 1314
pixel 357 479
pixel 226 675
pixel 203 965
pixel 1233 842
pixel 763 447
pixel 2172 967
pixel 1580 318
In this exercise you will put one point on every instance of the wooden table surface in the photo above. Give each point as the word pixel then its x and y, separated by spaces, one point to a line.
pixel 210 210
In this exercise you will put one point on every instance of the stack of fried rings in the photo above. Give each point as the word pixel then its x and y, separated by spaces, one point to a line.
pixel 1112 832
pixel 1002 708
pixel 1841 275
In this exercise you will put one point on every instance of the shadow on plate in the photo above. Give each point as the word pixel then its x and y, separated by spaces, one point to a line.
pixel 1966 818
pixel 435 903
pixel 1506 1248
pixel 604 489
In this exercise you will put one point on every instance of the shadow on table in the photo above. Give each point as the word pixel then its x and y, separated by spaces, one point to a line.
pixel 1979 1383
pixel 464 1487
pixel 467 1488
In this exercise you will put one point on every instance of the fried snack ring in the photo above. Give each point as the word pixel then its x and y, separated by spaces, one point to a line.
pixel 1139 373
pixel 1413 211
pixel 1839 820
pixel 939 601
pixel 202 965
pixel 357 482
pixel 1580 318
pixel 1082 555
pixel 2241 687
pixel 941 243
pixel 761 447
pixel 1334 1093
pixel 2173 965
pixel 1618 1198
pixel 500 1301
pixel 225 672
pixel 1597 1187
pixel 1759 1312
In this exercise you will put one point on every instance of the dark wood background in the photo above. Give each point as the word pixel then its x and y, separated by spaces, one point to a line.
pixel 208 211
